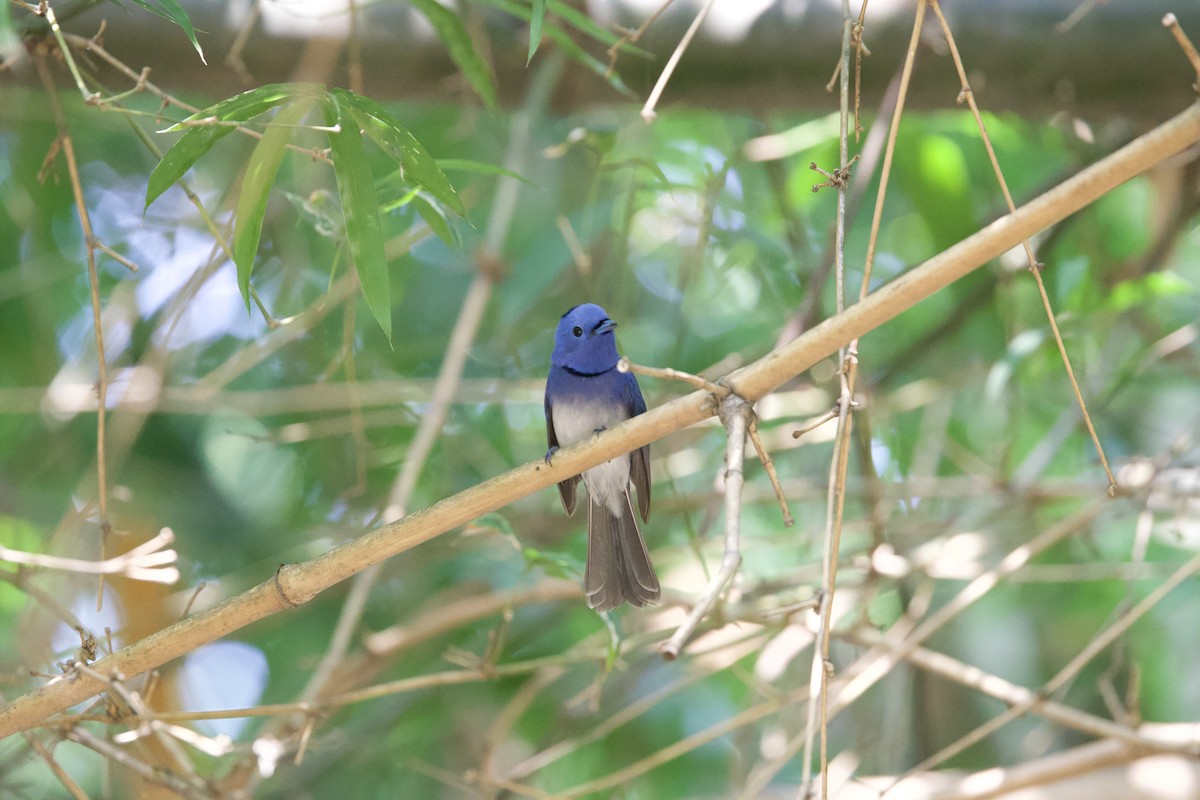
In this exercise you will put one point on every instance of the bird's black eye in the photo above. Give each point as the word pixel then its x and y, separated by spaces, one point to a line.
pixel 577 331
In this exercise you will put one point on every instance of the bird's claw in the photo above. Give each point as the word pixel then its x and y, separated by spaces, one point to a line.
pixel 550 454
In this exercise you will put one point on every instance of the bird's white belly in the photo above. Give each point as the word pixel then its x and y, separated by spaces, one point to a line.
pixel 579 419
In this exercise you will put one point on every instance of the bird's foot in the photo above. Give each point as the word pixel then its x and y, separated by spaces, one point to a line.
pixel 600 430
pixel 550 453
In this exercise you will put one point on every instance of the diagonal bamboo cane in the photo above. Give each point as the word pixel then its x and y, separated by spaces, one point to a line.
pixel 295 584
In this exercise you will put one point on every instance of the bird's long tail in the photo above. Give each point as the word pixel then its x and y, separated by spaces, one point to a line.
pixel 618 566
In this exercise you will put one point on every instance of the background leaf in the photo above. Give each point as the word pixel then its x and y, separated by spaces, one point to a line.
pixel 453 33
pixel 225 116
pixel 364 231
pixel 173 11
pixel 417 165
pixel 535 27
pixel 256 187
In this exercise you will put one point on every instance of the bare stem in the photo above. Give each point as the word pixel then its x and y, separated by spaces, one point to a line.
pixel 1034 266
pixel 648 112
pixel 735 414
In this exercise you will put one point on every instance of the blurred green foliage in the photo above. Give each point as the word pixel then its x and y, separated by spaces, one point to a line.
pixel 246 441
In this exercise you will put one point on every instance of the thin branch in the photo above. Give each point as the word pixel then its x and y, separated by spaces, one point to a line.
pixel 89 239
pixel 648 112
pixel 298 583
pixel 1144 737
pixel 234 59
pixel 735 415
pixel 64 778
pixel 1100 765
pixel 1034 266
pixel 146 562
pixel 1068 671
pixel 668 374
pixel 1171 23
pixel 633 36
pixel 719 392
pixel 870 669
pixel 821 671
pixel 772 475
pixel 139 767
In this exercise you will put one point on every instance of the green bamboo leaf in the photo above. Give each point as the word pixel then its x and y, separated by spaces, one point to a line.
pixel 567 45
pixel 249 104
pixel 585 24
pixel 179 159
pixel 417 165
pixel 388 206
pixel 535 28
pixel 467 165
pixel 219 121
pixel 360 207
pixel 435 218
pixel 453 33
pixel 172 11
pixel 256 188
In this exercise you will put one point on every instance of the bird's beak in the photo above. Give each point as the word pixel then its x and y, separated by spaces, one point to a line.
pixel 604 327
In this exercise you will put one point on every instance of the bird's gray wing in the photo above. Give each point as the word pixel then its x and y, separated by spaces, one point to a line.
pixel 566 488
pixel 639 471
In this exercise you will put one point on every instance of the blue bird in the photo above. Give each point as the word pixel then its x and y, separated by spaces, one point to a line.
pixel 585 394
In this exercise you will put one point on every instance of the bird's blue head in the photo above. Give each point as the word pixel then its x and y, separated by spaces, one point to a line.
pixel 584 341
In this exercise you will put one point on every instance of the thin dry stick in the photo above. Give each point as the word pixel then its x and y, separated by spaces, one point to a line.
pixel 64 778
pixel 686 745
pixel 1014 695
pixel 850 360
pixel 89 240
pixel 499 733
pixel 148 725
pixel 622 717
pixel 1034 266
pixel 146 562
pixel 632 37
pixel 648 112
pixel 822 668
pixel 871 667
pixel 1068 671
pixel 668 374
pixel 889 151
pixel 1080 11
pixel 856 36
pixel 455 677
pixel 1170 22
pixel 139 767
pixel 875 667
pixel 142 84
pixel 234 58
pixel 1086 760
pixel 719 392
pixel 296 584
pixel 735 415
pixel 426 437
pixel 772 475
